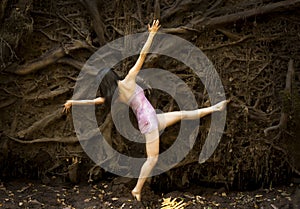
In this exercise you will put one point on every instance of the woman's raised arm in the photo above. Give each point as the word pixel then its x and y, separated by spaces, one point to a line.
pixel 139 63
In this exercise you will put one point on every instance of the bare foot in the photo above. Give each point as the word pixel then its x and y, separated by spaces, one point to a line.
pixel 221 105
pixel 136 195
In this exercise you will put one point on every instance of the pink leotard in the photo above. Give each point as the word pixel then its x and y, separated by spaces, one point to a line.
pixel 143 110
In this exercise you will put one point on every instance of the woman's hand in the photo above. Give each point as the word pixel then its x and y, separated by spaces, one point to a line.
pixel 155 26
pixel 67 106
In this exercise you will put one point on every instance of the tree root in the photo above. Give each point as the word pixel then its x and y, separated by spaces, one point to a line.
pixel 228 44
pixel 72 62
pixel 288 88
pixel 202 22
pixel 7 102
pixel 41 124
pixel 69 140
pixel 156 9
pixel 46 59
pixel 49 95
pixel 2 8
pixel 269 8
pixel 285 154
pixel 92 7
pixel 179 6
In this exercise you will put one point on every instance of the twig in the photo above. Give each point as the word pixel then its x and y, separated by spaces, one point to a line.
pixel 229 34
pixel 65 19
pixel 10 93
pixel 47 36
pixel 259 71
pixel 13 54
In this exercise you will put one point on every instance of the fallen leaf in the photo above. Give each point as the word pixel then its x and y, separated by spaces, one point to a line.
pixel 24 188
pixel 285 194
pixel 172 204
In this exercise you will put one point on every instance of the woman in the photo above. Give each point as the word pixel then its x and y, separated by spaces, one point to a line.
pixel 149 122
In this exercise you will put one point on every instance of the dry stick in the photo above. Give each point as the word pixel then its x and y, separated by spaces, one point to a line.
pixel 288 87
pixel 73 25
pixel 46 59
pixel 229 34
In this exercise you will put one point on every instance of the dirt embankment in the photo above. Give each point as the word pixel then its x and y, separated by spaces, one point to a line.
pixel 254 46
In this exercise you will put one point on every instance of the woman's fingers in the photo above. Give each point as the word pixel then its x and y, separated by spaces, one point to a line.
pixel 66 108
pixel 155 26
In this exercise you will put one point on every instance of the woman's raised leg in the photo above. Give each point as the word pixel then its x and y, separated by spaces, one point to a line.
pixel 170 118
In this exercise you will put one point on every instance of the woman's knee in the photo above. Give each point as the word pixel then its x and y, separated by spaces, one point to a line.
pixel 152 160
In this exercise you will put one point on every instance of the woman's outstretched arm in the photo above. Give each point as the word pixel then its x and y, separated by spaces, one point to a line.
pixel 69 103
pixel 138 65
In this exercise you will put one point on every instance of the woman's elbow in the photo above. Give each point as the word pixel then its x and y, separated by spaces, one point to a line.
pixel 99 100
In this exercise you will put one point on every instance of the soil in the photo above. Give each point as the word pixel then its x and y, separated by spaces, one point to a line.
pixel 24 193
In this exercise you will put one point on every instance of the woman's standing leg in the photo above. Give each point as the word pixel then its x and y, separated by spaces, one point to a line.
pixel 152 149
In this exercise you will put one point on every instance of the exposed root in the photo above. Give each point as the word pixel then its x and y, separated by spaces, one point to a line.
pixel 49 95
pixel 69 140
pixel 46 59
pixel 288 88
pixel 228 44
pixel 7 102
pixel 41 124
pixel 266 9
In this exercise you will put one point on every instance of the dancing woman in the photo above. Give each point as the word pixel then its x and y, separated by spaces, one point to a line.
pixel 149 122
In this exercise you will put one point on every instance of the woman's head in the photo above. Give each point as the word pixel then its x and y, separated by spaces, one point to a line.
pixel 108 85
